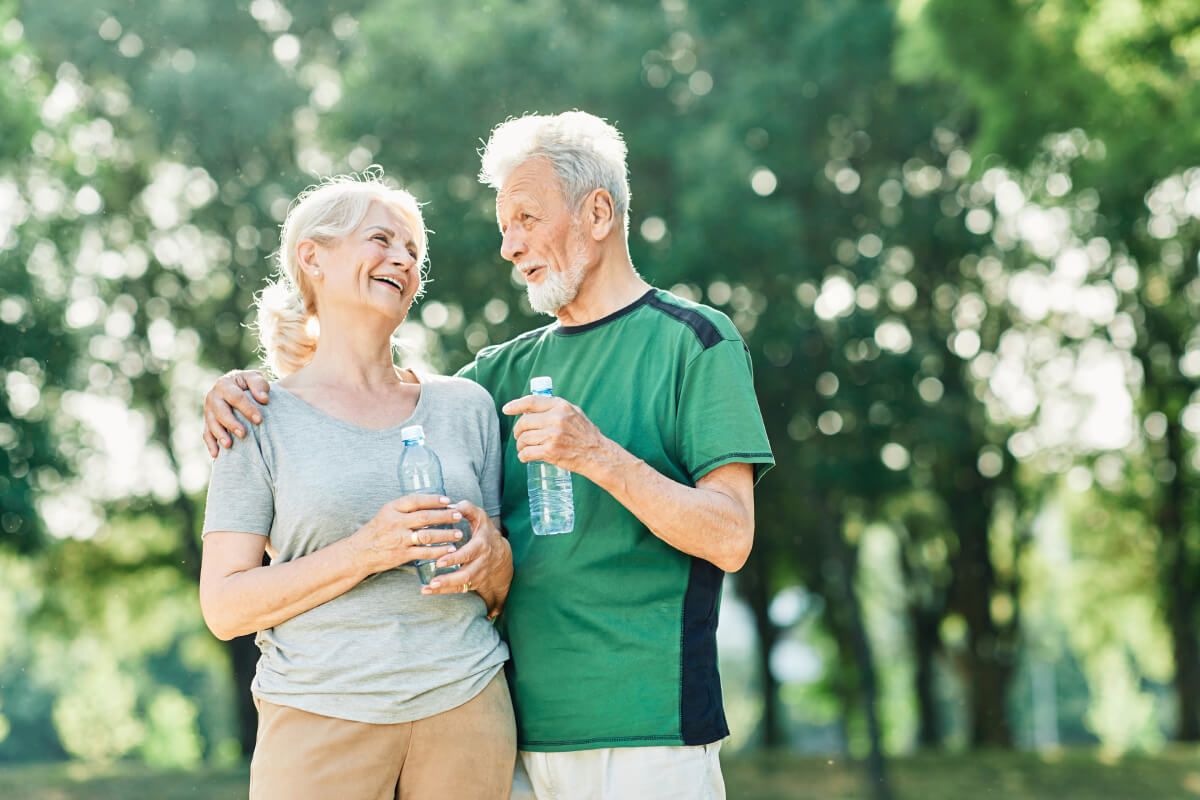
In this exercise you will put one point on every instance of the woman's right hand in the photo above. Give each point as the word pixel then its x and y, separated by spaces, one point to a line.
pixel 396 534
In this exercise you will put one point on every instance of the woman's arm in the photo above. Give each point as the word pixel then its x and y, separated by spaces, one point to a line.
pixel 238 595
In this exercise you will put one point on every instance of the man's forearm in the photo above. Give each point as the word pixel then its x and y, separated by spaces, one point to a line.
pixel 702 522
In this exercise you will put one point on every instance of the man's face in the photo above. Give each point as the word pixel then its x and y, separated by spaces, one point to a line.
pixel 541 236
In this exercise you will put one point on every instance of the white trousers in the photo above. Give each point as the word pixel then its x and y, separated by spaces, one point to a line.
pixel 621 773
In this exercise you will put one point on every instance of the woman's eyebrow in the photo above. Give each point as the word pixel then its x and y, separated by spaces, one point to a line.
pixel 388 231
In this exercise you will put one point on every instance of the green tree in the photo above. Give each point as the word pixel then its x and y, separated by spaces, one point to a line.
pixel 1124 75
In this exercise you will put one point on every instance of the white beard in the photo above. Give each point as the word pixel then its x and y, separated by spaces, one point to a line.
pixel 556 289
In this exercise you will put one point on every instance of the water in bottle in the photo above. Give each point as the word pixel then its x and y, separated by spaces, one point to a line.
pixel 551 506
pixel 421 473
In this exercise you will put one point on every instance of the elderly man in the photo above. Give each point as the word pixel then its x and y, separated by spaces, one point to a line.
pixel 612 628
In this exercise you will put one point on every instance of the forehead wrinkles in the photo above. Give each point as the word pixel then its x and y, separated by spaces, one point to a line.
pixel 389 220
pixel 534 183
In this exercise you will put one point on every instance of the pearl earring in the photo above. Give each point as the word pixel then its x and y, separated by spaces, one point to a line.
pixel 316 273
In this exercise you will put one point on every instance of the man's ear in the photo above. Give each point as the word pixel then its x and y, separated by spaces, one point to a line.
pixel 601 213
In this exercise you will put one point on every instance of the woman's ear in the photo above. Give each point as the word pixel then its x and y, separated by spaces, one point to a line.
pixel 306 257
pixel 601 214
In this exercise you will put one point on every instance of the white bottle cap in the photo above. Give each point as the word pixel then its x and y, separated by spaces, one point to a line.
pixel 541 384
pixel 411 432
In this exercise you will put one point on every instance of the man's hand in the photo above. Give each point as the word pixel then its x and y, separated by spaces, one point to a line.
pixel 227 394
pixel 552 430
pixel 487 565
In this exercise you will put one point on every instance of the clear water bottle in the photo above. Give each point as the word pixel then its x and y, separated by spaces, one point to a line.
pixel 551 506
pixel 421 473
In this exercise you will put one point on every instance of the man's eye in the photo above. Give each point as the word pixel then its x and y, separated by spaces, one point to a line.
pixel 527 217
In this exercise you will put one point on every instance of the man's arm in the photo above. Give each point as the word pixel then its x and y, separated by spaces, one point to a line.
pixel 226 395
pixel 713 520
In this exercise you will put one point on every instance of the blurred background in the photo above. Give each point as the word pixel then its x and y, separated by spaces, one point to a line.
pixel 960 239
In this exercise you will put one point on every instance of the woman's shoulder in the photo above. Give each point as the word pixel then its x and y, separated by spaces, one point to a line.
pixel 461 399
pixel 462 389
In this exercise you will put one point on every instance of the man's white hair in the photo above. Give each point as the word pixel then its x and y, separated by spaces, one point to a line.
pixel 587 153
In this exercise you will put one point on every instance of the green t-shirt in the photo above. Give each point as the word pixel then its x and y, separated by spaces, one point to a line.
pixel 612 631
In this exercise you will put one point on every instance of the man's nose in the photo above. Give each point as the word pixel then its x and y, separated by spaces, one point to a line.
pixel 512 247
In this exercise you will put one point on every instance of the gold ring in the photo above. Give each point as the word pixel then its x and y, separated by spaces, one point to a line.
pixel 416 538
pixel 466 587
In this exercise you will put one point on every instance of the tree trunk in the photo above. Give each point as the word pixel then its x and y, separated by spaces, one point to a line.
pixel 988 660
pixel 845 562
pixel 1181 617
pixel 926 643
pixel 755 588
pixel 1181 594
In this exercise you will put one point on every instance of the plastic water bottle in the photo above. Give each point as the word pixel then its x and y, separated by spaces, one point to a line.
pixel 421 473
pixel 551 505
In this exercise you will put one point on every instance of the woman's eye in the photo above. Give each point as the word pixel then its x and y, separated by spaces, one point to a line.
pixel 380 238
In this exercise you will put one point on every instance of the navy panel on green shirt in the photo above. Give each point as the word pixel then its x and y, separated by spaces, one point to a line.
pixel 612 631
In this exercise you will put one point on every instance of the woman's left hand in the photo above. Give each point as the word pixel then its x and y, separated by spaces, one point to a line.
pixel 487 565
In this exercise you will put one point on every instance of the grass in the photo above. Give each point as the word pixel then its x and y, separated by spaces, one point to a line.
pixel 1070 775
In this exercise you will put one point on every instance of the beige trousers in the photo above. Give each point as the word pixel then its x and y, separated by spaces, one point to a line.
pixel 466 752
pixel 621 773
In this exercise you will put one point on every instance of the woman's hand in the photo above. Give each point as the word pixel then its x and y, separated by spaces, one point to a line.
pixel 396 534
pixel 487 565
pixel 227 394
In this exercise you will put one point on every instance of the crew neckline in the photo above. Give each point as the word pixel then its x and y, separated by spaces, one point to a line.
pixel 418 409
pixel 572 330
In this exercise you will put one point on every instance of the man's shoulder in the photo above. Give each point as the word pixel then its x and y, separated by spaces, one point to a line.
pixel 515 345
pixel 708 325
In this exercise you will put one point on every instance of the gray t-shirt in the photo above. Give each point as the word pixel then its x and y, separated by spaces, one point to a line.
pixel 381 652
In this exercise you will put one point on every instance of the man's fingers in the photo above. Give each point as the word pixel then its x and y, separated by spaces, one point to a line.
pixel 248 407
pixel 531 438
pixel 258 386
pixel 530 404
pixel 210 443
pixel 530 422
pixel 533 453
pixel 228 423
pixel 215 429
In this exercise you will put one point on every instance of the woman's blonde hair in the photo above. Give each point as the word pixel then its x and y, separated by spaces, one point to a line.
pixel 287 309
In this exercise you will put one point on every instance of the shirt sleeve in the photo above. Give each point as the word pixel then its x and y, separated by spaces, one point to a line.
pixel 241 492
pixel 719 419
pixel 489 481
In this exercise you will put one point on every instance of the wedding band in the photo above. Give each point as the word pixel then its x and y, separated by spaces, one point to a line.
pixel 416 538
pixel 466 587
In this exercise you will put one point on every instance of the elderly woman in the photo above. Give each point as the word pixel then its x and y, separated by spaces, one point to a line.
pixel 368 685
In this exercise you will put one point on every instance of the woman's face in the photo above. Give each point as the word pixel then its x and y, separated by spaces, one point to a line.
pixel 372 269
